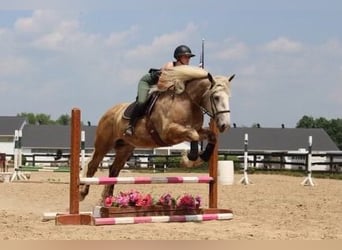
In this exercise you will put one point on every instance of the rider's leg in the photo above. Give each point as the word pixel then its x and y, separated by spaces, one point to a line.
pixel 136 113
pixel 143 89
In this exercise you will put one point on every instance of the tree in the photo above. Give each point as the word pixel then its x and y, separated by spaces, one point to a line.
pixel 30 117
pixel 306 122
pixel 333 127
pixel 44 119
pixel 64 120
pixel 34 119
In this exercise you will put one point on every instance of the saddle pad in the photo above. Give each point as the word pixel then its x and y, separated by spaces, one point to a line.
pixel 128 111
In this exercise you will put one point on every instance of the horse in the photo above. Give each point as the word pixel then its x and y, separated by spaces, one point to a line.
pixel 185 94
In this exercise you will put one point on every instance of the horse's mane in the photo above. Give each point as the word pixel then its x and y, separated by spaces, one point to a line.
pixel 177 76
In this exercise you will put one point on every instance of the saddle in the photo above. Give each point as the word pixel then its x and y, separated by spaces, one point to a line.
pixel 147 110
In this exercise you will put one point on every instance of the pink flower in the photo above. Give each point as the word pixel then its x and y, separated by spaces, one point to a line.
pixel 166 200
pixel 144 201
pixel 108 201
pixel 134 198
pixel 189 202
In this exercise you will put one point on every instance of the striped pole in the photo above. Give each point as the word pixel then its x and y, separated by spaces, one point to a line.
pixel 20 155
pixel 82 149
pixel 245 180
pixel 17 174
pixel 160 219
pixel 308 180
pixel 144 180
pixel 16 143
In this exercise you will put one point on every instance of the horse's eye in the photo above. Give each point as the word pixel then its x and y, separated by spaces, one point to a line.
pixel 216 98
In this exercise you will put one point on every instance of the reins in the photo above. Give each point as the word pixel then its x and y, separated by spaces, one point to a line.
pixel 212 102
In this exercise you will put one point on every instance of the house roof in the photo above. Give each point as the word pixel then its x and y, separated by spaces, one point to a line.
pixel 276 139
pixel 8 124
pixel 260 139
pixel 53 136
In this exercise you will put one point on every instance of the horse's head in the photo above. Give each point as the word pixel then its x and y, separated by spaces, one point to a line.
pixel 210 93
pixel 216 101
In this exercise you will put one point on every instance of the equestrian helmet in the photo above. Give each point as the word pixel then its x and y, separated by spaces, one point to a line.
pixel 182 50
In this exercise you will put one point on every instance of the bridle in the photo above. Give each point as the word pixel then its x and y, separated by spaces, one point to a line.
pixel 214 109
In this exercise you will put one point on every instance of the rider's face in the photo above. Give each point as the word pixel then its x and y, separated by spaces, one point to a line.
pixel 184 59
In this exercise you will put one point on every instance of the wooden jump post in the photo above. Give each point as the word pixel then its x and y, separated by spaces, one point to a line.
pixel 213 168
pixel 74 217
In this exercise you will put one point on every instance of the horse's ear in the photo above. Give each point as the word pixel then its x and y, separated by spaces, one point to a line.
pixel 231 78
pixel 210 77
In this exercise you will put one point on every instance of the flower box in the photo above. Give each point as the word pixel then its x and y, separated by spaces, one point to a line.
pixel 154 210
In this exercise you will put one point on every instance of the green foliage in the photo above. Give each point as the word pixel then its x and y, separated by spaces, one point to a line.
pixel 64 120
pixel 333 127
pixel 45 119
pixel 171 162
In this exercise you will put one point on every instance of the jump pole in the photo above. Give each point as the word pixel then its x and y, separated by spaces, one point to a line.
pixel 74 217
pixel 245 180
pixel 308 180
pixel 17 174
pixel 82 149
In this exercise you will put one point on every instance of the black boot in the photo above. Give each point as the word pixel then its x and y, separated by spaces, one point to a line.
pixel 136 114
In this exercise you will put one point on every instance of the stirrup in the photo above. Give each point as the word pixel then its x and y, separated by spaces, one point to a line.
pixel 129 130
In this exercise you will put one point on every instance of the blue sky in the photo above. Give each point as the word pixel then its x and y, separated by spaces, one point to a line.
pixel 287 55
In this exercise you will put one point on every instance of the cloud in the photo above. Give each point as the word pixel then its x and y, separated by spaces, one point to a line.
pixel 40 21
pixel 283 44
pixel 235 51
pixel 120 38
pixel 166 40
pixel 11 66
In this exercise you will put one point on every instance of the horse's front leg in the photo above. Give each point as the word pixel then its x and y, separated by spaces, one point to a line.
pixel 205 134
pixel 209 149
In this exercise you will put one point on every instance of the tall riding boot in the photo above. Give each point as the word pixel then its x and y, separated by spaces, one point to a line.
pixel 136 113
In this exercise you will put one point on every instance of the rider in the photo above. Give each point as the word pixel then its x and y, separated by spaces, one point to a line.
pixel 182 54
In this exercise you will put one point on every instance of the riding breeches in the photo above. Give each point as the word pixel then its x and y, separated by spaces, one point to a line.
pixel 143 88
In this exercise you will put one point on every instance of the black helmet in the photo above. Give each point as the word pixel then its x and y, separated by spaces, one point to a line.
pixel 182 50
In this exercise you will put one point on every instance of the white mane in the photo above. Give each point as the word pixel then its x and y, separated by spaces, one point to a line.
pixel 176 76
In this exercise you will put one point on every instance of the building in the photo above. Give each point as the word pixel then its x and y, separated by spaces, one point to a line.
pixel 287 145
pixel 8 126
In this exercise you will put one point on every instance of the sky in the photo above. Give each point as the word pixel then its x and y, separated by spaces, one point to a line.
pixel 287 55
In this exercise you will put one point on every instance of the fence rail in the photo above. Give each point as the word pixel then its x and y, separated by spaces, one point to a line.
pixel 256 159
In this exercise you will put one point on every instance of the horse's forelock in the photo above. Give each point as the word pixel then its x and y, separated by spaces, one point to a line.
pixel 221 82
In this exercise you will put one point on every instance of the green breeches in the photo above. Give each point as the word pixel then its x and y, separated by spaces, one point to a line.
pixel 143 88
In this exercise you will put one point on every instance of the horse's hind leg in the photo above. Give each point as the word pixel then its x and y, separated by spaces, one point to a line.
pixel 92 168
pixel 100 151
pixel 122 153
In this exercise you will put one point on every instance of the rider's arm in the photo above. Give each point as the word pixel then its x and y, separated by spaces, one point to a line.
pixel 168 65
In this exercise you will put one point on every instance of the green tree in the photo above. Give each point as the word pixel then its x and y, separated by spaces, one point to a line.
pixel 333 127
pixel 30 117
pixel 44 119
pixel 64 119
pixel 306 122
